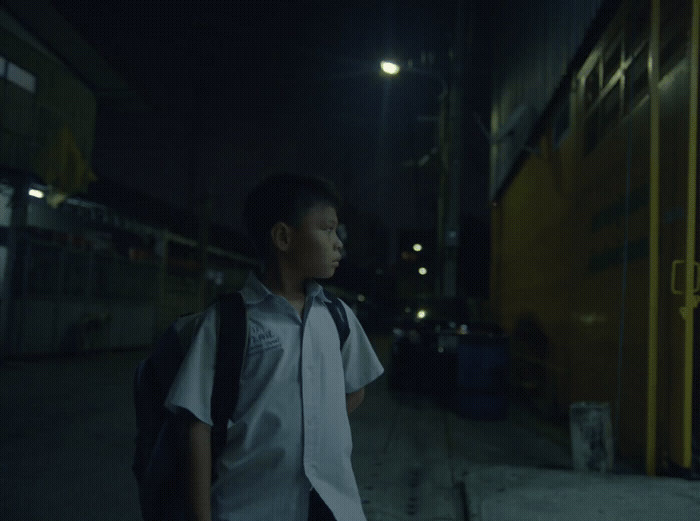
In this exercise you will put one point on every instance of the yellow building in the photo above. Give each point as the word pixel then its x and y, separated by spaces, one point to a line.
pixel 574 230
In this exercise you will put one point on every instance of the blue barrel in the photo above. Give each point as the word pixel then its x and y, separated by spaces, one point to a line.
pixel 483 376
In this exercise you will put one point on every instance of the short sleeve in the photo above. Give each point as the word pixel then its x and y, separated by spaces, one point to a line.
pixel 360 362
pixel 194 381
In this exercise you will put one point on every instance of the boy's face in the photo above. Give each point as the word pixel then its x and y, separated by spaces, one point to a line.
pixel 314 249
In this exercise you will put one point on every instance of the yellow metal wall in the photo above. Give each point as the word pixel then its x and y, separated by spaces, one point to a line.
pixel 557 241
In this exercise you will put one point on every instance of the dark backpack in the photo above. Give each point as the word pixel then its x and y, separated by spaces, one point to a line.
pixel 160 465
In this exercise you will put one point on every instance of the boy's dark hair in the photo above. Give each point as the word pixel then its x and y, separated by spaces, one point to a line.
pixel 284 198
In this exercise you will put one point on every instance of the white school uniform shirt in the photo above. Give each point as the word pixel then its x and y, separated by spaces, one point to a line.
pixel 290 429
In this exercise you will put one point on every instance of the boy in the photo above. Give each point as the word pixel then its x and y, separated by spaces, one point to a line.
pixel 289 444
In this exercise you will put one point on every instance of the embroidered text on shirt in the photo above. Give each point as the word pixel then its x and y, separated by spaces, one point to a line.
pixel 262 339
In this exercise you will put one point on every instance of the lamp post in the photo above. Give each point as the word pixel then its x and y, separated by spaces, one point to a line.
pixel 448 190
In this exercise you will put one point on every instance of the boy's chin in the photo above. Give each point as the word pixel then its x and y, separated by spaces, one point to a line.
pixel 327 274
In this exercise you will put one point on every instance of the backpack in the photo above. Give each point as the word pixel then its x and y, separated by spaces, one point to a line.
pixel 160 464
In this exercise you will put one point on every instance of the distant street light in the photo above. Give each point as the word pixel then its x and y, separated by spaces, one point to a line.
pixel 422 270
pixel 390 67
pixel 417 247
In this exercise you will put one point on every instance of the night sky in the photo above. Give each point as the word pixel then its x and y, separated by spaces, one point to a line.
pixel 236 90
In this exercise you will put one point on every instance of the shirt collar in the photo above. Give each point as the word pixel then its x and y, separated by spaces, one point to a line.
pixel 254 291
pixel 315 290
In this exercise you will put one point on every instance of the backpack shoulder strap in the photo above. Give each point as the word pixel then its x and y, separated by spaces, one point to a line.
pixel 340 317
pixel 232 340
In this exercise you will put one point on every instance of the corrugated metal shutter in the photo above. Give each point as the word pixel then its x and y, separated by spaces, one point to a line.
pixel 533 46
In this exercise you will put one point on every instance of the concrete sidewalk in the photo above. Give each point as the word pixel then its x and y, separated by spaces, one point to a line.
pixel 412 457
pixel 416 460
pixel 67 433
pixel 510 493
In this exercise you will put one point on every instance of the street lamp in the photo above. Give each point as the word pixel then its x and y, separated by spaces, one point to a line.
pixel 393 69
pixel 447 131
pixel 390 67
pixel 447 211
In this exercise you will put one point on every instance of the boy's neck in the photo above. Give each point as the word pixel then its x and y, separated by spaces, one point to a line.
pixel 291 288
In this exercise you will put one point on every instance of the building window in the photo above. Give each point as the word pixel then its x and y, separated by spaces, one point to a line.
pixel 637 79
pixel 612 61
pixel 17 75
pixel 592 88
pixel 611 108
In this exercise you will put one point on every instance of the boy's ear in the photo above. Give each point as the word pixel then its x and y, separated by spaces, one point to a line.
pixel 281 235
